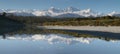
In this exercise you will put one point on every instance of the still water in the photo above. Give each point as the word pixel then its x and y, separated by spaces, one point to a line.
pixel 56 43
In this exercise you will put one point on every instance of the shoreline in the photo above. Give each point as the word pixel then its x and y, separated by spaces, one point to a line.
pixel 113 29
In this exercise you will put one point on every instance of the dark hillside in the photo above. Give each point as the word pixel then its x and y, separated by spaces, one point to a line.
pixel 7 25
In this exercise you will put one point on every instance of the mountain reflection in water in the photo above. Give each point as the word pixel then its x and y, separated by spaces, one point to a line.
pixel 40 41
pixel 50 38
pixel 58 36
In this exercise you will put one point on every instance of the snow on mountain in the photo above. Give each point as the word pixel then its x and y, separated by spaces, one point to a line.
pixel 40 13
pixel 114 14
pixel 56 12
pixel 69 15
pixel 86 13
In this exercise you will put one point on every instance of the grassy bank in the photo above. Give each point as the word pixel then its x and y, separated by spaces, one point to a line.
pixel 45 21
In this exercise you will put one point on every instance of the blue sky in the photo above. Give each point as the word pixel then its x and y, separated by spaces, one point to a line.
pixel 97 5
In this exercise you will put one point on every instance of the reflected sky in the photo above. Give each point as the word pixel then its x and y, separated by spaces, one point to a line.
pixel 56 44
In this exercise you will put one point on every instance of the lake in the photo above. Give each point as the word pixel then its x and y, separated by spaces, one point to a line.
pixel 31 41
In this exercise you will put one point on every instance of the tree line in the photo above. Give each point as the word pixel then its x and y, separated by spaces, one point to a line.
pixel 47 20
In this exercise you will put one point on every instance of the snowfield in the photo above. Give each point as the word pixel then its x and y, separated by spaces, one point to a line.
pixel 113 29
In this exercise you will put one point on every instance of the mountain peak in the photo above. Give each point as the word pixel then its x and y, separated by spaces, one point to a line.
pixel 114 13
pixel 55 12
pixel 53 9
pixel 88 10
pixel 71 9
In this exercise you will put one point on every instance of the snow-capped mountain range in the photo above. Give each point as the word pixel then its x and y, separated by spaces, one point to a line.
pixel 56 12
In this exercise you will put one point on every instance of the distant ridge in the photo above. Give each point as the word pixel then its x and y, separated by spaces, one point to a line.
pixel 57 12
